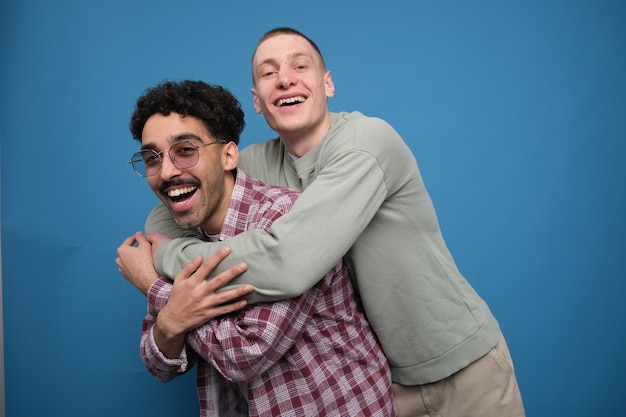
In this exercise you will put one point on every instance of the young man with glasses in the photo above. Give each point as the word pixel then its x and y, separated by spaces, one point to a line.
pixel 362 197
pixel 310 355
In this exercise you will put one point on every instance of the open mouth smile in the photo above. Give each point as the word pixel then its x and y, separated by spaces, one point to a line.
pixel 180 195
pixel 290 101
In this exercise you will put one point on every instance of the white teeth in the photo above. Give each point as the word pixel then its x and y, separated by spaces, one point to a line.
pixel 180 191
pixel 291 100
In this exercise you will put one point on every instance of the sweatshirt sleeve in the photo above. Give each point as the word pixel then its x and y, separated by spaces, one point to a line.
pixel 302 245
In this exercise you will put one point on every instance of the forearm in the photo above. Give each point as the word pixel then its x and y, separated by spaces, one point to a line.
pixel 162 339
pixel 244 346
pixel 177 308
pixel 184 305
pixel 161 367
pixel 170 342
pixel 302 245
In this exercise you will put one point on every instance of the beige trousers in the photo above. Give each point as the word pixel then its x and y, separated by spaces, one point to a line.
pixel 485 388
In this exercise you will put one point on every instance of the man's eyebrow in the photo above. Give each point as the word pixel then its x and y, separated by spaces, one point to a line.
pixel 267 61
pixel 149 146
pixel 175 139
pixel 186 136
pixel 290 56
pixel 295 55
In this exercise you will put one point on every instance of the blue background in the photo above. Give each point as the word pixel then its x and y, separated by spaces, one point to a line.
pixel 516 112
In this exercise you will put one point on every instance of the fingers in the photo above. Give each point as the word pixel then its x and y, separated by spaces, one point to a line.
pixel 149 238
pixel 210 263
pixel 225 277
pixel 226 309
pixel 213 286
pixel 197 300
pixel 189 269
pixel 137 238
pixel 223 297
pixel 224 303
pixel 141 238
pixel 213 260
pixel 156 238
pixel 129 241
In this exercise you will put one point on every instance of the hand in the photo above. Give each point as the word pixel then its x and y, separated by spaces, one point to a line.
pixel 155 240
pixel 194 301
pixel 134 259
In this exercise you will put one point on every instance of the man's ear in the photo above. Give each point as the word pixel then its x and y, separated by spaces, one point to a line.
pixel 230 156
pixel 255 101
pixel 330 85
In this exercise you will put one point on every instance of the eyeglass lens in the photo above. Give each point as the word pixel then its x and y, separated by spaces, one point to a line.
pixel 147 162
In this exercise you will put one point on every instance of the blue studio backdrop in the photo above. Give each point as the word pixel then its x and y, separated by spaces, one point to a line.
pixel 514 110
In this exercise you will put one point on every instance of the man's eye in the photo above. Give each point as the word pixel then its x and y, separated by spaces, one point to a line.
pixel 151 158
pixel 185 150
pixel 266 72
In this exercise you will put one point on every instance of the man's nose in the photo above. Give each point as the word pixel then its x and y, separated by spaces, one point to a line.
pixel 285 79
pixel 168 168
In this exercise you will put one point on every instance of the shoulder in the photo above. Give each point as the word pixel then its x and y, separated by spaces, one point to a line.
pixel 363 132
pixel 355 132
pixel 263 160
pixel 357 120
pixel 260 151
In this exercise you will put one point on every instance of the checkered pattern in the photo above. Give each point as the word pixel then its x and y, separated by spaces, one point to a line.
pixel 314 355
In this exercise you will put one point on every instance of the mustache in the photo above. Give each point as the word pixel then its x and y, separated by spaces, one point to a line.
pixel 177 183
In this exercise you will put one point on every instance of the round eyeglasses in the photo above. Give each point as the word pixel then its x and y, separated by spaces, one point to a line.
pixel 184 155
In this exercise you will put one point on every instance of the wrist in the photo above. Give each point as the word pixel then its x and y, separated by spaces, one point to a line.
pixel 147 282
pixel 165 328
pixel 170 343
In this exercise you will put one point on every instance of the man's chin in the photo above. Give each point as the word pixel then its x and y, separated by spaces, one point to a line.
pixel 185 221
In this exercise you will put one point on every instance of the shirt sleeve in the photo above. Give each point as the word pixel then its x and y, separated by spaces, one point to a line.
pixel 302 245
pixel 244 345
pixel 158 365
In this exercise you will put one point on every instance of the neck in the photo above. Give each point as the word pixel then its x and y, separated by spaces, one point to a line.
pixel 300 142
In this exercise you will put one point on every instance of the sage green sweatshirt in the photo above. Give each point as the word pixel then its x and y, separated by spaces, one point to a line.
pixel 363 197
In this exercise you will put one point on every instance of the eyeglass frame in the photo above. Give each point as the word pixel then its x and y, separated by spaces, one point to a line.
pixel 173 159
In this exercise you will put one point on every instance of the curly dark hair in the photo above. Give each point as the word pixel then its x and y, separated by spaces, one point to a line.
pixel 215 106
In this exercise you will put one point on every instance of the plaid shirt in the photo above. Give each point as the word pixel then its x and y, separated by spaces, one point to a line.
pixel 314 355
